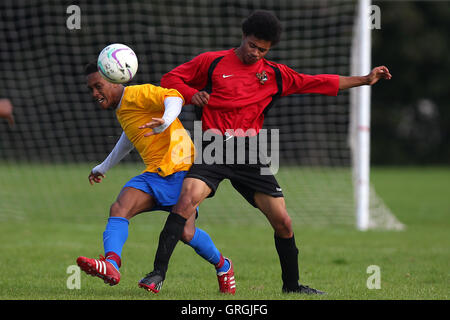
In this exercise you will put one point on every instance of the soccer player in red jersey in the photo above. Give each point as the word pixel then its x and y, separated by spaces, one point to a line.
pixel 235 88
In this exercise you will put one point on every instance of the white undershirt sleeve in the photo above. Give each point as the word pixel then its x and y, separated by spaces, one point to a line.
pixel 173 107
pixel 120 150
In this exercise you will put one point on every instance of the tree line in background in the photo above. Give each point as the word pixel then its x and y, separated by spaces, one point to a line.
pixel 411 113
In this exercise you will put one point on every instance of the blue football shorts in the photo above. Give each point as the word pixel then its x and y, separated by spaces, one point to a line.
pixel 165 190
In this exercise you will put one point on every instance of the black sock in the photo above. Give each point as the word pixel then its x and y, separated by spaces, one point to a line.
pixel 288 254
pixel 168 238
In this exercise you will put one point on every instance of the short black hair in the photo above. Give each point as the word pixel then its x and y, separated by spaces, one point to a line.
pixel 263 25
pixel 91 67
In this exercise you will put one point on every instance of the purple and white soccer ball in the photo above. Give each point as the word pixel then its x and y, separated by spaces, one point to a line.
pixel 117 63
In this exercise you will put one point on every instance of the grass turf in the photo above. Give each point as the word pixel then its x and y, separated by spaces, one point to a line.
pixel 50 216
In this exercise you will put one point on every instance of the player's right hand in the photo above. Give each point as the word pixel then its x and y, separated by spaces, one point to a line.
pixel 155 124
pixel 95 177
pixel 200 98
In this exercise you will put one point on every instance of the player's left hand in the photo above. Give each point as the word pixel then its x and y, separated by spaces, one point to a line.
pixel 156 122
pixel 378 73
pixel 95 177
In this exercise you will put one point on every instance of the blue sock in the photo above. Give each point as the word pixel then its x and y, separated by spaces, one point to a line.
pixel 204 246
pixel 114 238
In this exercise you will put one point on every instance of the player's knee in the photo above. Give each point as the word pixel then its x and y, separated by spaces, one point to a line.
pixel 288 223
pixel 188 234
pixel 117 210
pixel 184 206
pixel 284 226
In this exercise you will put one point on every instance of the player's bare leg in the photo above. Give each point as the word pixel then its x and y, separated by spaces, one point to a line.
pixel 130 202
pixel 274 208
pixel 193 192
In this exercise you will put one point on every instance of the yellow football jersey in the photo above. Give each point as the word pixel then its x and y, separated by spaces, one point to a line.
pixel 165 153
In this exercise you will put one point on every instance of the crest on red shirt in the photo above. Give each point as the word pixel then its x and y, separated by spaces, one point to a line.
pixel 262 77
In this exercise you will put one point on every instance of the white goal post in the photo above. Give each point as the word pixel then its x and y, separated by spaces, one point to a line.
pixel 361 64
pixel 366 201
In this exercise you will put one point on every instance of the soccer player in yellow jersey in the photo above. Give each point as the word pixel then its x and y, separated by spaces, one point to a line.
pixel 148 117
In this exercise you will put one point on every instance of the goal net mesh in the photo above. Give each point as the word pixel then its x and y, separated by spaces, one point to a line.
pixel 60 134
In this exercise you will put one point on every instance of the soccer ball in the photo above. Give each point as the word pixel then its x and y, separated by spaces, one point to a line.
pixel 117 63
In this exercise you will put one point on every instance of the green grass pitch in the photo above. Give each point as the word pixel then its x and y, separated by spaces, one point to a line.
pixel 50 215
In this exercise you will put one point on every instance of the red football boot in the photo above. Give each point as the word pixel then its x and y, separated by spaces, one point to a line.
pixel 100 268
pixel 227 284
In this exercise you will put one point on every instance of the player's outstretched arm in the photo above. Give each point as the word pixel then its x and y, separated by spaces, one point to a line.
pixel 172 107
pixel 120 150
pixel 373 77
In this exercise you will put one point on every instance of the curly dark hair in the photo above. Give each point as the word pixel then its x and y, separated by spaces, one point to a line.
pixel 89 68
pixel 263 25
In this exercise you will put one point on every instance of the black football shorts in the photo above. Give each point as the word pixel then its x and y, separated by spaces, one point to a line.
pixel 245 178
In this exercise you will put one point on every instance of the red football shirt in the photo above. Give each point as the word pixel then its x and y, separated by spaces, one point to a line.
pixel 240 92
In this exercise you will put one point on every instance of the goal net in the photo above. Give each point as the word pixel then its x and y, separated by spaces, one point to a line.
pixel 59 134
